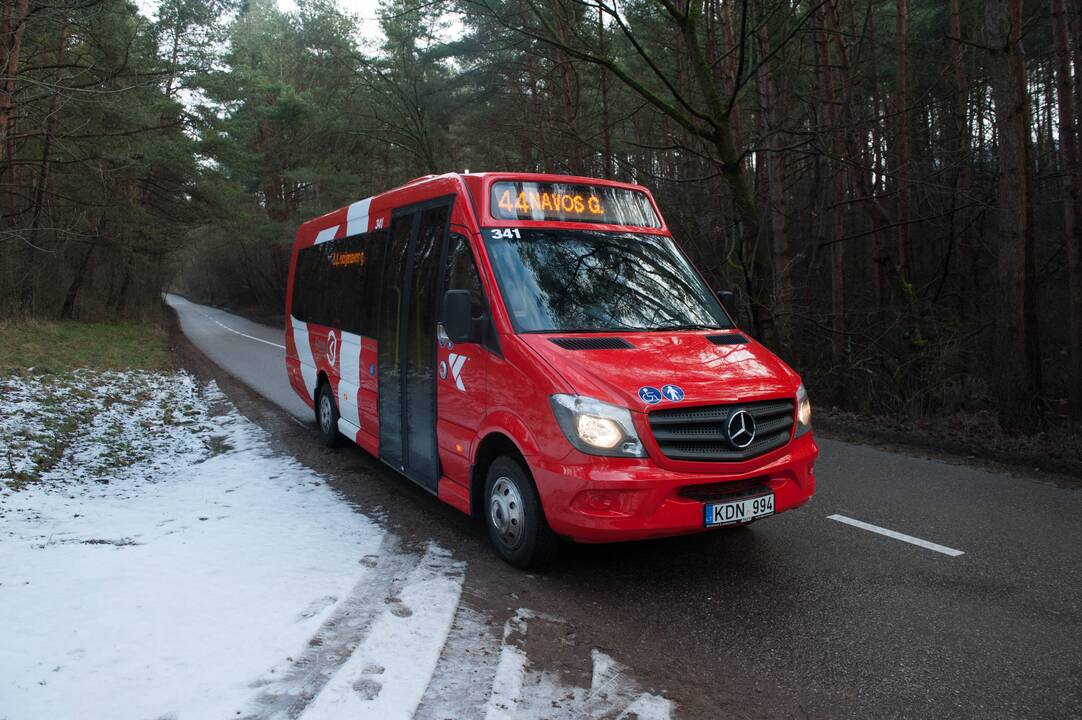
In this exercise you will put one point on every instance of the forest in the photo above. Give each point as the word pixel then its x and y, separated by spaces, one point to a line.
pixel 891 187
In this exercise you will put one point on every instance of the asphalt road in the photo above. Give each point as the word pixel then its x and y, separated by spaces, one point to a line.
pixel 974 612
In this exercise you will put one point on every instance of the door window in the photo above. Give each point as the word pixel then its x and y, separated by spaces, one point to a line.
pixel 393 303
pixel 420 353
pixel 462 273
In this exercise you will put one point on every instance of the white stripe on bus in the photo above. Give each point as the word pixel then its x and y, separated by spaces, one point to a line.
pixel 304 354
pixel 349 373
pixel 357 217
pixel 326 234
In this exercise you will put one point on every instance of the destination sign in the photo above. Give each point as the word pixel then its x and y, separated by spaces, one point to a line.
pixel 567 202
pixel 341 259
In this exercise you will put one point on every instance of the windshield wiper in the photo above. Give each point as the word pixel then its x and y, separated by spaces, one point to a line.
pixel 689 326
pixel 572 330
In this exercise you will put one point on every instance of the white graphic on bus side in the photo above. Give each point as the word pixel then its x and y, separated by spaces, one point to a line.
pixel 332 348
pixel 457 361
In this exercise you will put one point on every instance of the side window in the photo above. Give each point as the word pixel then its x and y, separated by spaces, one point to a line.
pixel 346 263
pixel 317 285
pixel 329 284
pixel 330 307
pixel 461 273
pixel 305 284
pixel 373 291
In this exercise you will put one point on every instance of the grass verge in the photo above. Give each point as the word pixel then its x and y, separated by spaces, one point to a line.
pixel 63 346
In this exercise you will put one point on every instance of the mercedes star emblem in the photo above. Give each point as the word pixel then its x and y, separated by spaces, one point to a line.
pixel 741 429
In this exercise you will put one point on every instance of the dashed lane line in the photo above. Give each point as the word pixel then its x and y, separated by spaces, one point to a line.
pixel 897 535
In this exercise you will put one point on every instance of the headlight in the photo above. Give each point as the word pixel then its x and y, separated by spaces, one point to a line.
pixel 597 428
pixel 803 411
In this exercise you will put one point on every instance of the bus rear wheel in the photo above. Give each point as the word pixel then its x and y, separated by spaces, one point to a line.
pixel 514 517
pixel 327 416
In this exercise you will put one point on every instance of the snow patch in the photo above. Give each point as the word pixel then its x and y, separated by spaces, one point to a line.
pixel 177 584
pixel 158 559
pixel 72 428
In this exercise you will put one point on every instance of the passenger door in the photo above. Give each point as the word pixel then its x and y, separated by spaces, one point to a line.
pixel 407 340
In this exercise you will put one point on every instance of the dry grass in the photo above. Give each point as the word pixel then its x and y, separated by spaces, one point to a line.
pixel 58 347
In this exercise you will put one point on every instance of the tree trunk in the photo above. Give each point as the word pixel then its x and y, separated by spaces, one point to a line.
pixel 1016 378
pixel 960 106
pixel 14 22
pixel 1075 25
pixel 829 102
pixel 603 81
pixel 67 312
pixel 772 117
pixel 1072 201
pixel 26 288
pixel 731 52
pixel 569 92
pixel 901 138
pixel 734 172
pixel 121 300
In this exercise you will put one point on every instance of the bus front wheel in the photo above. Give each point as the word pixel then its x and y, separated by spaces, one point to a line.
pixel 514 517
pixel 327 416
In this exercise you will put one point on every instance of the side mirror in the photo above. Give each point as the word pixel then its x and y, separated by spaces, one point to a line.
pixel 458 317
pixel 728 301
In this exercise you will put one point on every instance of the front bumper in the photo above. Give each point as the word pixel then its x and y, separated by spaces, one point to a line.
pixel 596 499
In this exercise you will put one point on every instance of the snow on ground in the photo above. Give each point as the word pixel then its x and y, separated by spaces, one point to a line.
pixel 159 560
pixel 101 426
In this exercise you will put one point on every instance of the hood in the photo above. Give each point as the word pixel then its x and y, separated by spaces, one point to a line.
pixel 705 372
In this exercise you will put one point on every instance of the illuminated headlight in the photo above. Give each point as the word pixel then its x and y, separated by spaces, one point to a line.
pixel 803 411
pixel 597 428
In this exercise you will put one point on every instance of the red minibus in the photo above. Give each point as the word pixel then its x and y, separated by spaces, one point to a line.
pixel 536 351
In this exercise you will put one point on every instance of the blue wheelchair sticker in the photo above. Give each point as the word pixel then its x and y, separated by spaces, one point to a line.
pixel 673 392
pixel 650 395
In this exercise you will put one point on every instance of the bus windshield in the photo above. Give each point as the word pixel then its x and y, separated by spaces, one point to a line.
pixel 586 281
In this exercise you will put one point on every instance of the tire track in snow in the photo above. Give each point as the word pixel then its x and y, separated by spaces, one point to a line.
pixel 387 674
pixel 463 677
pixel 473 683
pixel 289 693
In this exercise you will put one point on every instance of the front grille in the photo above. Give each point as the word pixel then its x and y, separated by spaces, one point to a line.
pixel 602 343
pixel 726 490
pixel 701 433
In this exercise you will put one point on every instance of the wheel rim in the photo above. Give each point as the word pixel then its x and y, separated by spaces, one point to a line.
pixel 325 413
pixel 506 511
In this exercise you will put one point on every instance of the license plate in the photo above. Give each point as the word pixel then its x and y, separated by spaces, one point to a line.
pixel 738 511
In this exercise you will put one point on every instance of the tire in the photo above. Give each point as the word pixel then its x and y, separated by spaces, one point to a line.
pixel 514 517
pixel 327 416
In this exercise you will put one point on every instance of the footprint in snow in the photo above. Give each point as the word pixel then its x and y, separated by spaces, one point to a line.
pixel 398 608
pixel 368 688
pixel 316 607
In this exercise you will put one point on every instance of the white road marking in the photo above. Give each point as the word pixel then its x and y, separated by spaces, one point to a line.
pixel 897 535
pixel 238 332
